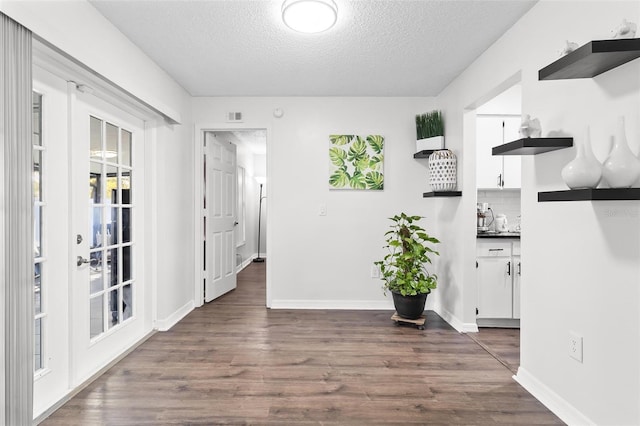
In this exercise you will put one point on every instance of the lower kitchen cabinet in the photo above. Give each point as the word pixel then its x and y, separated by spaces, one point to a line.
pixel 498 283
pixel 516 286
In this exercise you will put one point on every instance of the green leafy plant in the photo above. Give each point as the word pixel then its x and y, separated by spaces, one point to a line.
pixel 403 268
pixel 429 125
pixel 356 162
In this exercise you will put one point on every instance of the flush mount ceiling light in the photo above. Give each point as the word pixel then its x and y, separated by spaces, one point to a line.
pixel 309 16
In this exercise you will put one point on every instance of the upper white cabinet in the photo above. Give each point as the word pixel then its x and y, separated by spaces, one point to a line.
pixel 494 172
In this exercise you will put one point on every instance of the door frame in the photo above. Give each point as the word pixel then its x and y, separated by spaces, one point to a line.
pixel 469 141
pixel 198 172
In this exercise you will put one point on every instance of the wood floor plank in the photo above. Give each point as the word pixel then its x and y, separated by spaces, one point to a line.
pixel 502 343
pixel 233 361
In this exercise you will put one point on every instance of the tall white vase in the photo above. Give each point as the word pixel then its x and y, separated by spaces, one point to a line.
pixel 585 170
pixel 621 169
pixel 443 170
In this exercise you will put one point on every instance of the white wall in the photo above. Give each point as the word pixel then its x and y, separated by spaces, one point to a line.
pixel 254 165
pixel 77 29
pixel 581 260
pixel 325 261
pixel 175 237
pixel 260 170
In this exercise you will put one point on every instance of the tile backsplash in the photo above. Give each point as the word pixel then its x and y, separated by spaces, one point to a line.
pixel 506 201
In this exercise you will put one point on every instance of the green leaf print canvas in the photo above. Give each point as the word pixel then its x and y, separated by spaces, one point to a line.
pixel 356 162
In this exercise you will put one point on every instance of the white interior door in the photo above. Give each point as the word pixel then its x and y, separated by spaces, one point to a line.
pixel 220 217
pixel 107 158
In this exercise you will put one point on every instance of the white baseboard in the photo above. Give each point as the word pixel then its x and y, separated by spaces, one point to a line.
pixel 248 261
pixel 174 318
pixel 454 321
pixel 554 402
pixel 244 265
pixel 499 322
pixel 333 304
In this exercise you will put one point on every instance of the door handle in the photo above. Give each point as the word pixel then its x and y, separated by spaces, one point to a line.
pixel 519 268
pixel 81 261
pixel 509 268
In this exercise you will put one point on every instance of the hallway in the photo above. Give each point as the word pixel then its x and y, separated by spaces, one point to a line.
pixel 233 361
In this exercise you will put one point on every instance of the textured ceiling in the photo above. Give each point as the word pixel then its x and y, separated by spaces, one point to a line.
pixel 377 47
pixel 255 141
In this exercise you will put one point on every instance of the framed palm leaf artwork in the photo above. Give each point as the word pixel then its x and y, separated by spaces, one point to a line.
pixel 356 162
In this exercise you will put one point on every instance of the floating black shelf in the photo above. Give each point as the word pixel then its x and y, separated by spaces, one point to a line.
pixel 442 194
pixel 592 59
pixel 424 154
pixel 591 194
pixel 532 146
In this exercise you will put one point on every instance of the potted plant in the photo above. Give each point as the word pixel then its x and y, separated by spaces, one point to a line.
pixel 430 131
pixel 403 268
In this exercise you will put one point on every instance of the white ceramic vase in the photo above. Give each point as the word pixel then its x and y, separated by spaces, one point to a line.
pixel 621 169
pixel 584 171
pixel 443 170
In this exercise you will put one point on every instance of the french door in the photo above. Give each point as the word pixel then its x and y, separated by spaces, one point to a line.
pixel 219 217
pixel 51 239
pixel 107 189
pixel 88 186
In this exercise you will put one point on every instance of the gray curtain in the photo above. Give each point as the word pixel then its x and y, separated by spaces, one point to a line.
pixel 15 131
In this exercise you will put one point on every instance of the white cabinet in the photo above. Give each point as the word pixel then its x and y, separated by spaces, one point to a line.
pixel 517 270
pixel 498 283
pixel 500 171
pixel 494 288
pixel 517 273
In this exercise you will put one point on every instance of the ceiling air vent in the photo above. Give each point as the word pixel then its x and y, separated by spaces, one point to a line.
pixel 234 117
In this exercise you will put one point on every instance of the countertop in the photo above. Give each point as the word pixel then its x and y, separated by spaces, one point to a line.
pixel 515 235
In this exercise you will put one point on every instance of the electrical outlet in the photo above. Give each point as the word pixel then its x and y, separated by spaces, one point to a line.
pixel 375 271
pixel 322 209
pixel 575 346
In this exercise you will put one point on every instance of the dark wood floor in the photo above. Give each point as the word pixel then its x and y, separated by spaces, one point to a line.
pixel 502 343
pixel 235 362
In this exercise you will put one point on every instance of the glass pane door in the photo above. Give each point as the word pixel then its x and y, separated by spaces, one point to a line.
pixel 110 191
pixel 38 248
pixel 108 203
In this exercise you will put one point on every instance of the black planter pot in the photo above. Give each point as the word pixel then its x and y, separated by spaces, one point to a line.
pixel 409 307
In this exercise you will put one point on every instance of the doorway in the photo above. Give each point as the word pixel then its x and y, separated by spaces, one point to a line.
pixel 499 229
pixel 230 187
